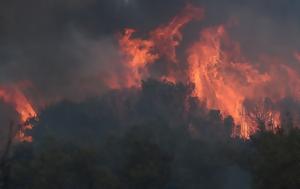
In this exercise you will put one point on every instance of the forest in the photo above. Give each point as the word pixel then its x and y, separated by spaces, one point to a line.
pixel 158 137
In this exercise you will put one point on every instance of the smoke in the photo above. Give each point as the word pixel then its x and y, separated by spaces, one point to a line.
pixel 55 50
pixel 161 119
pixel 64 49
pixel 67 48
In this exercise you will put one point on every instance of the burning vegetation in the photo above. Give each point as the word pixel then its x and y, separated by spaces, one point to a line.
pixel 176 111
pixel 223 77
pixel 23 107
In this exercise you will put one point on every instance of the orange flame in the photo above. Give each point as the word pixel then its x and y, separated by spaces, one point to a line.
pixel 162 43
pixel 222 83
pixel 22 106
pixel 226 79
pixel 223 77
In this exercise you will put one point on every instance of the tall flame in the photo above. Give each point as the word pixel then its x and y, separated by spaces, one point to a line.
pixel 23 107
pixel 226 80
pixel 223 77
pixel 219 80
pixel 162 43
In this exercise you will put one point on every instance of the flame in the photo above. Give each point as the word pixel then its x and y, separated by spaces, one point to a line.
pixel 138 53
pixel 221 81
pixel 224 79
pixel 162 43
pixel 23 107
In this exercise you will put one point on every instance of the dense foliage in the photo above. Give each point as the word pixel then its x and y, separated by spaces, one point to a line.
pixel 156 138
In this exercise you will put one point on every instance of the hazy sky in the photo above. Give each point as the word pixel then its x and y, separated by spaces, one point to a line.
pixel 65 47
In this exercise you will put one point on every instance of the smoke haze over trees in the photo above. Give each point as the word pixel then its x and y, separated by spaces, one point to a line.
pixel 149 94
pixel 158 137
pixel 65 47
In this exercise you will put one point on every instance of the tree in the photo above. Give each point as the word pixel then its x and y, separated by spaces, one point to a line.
pixel 146 165
pixel 276 160
pixel 5 159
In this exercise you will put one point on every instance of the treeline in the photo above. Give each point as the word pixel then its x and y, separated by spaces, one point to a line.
pixel 158 137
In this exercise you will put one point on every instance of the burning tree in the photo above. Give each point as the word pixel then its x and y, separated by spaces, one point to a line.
pixel 263 114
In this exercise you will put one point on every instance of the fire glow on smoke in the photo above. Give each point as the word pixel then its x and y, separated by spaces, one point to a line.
pixel 23 107
pixel 222 76
pixel 224 79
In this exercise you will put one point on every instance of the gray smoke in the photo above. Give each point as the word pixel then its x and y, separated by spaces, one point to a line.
pixel 66 48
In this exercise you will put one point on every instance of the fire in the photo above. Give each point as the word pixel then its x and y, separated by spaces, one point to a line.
pixel 162 43
pixel 224 79
pixel 138 55
pixel 22 106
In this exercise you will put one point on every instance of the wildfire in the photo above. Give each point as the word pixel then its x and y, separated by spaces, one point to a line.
pixel 224 79
pixel 162 43
pixel 22 106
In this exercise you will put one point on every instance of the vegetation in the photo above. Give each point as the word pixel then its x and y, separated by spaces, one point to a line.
pixel 157 138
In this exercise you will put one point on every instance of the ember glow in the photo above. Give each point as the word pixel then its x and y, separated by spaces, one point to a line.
pixel 23 107
pixel 223 77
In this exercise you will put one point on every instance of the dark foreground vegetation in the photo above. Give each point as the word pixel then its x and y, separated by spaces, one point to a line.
pixel 156 138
